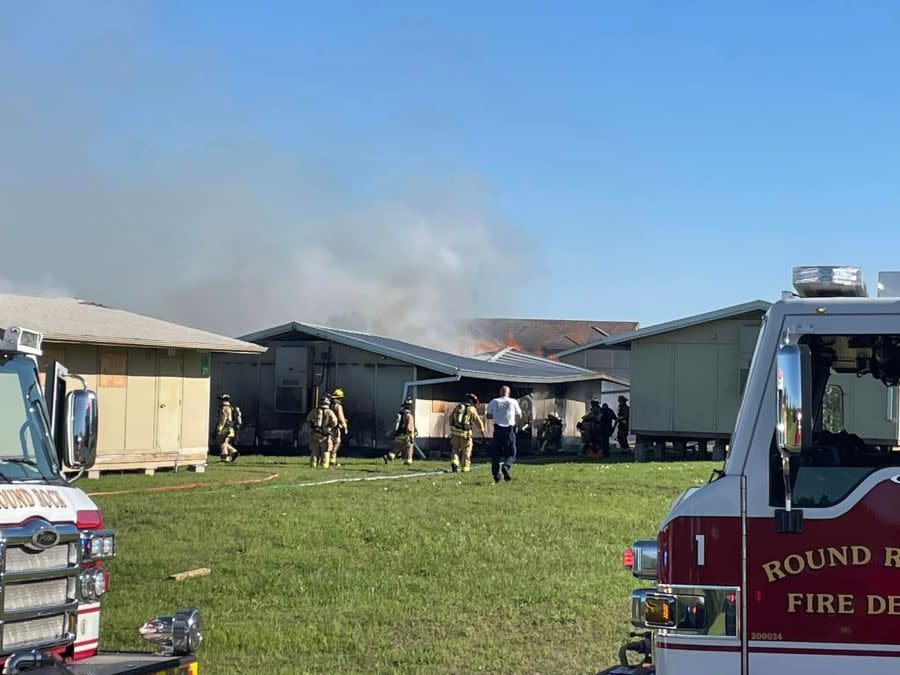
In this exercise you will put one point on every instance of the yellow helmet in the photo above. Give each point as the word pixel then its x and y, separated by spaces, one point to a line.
pixel 337 393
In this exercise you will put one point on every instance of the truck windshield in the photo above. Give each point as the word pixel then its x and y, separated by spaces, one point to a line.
pixel 856 418
pixel 26 449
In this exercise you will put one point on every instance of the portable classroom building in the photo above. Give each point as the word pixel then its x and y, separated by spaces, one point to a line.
pixel 151 377
pixel 687 376
pixel 276 389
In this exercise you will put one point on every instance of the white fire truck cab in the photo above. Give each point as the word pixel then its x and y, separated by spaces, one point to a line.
pixel 53 544
pixel 788 560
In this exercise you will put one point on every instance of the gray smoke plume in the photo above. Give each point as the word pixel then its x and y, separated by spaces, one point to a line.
pixel 234 234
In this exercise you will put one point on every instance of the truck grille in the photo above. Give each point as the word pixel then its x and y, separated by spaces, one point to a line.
pixel 20 560
pixel 20 634
pixel 52 593
pixel 38 587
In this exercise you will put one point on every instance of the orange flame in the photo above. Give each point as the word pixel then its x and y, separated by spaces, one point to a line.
pixel 482 346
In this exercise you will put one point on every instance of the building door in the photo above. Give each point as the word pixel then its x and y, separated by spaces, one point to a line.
pixel 169 394
pixel 389 382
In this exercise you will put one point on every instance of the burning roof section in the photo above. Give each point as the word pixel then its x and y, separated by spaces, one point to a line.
pixel 543 337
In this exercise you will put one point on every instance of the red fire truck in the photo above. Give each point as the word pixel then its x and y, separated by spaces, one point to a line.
pixel 788 560
pixel 53 543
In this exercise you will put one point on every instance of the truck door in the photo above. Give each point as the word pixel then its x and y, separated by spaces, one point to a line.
pixel 825 597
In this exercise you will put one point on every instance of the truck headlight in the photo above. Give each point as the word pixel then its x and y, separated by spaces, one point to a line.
pixel 92 583
pixel 98 545
pixel 176 635
pixel 659 610
pixel 86 584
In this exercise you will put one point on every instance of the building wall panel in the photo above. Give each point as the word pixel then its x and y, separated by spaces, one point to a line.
pixel 652 386
pixel 196 396
pixel 140 414
pixel 111 394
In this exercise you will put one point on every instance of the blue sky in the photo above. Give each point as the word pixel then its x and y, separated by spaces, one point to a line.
pixel 656 159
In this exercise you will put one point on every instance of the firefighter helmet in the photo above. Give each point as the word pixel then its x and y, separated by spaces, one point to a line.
pixel 472 398
pixel 337 393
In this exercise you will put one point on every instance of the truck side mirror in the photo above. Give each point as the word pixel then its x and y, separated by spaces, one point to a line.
pixel 790 389
pixel 793 422
pixel 81 429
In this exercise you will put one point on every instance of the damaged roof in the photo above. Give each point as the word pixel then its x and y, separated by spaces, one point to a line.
pixel 507 365
pixel 79 321
pixel 540 336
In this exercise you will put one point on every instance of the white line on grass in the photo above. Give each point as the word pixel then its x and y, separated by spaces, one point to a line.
pixel 332 481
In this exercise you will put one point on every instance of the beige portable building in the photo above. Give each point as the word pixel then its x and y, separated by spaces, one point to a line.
pixel 151 376
pixel 687 376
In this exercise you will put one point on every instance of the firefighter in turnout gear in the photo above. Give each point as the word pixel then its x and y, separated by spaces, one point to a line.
pixel 225 429
pixel 340 432
pixel 322 424
pixel 462 420
pixel 550 433
pixel 589 426
pixel 624 415
pixel 403 435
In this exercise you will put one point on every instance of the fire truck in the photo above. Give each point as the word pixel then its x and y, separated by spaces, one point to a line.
pixel 788 559
pixel 53 543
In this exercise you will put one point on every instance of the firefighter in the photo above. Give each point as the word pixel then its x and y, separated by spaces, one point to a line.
pixel 322 423
pixel 550 433
pixel 589 426
pixel 607 426
pixel 624 415
pixel 340 432
pixel 462 420
pixel 403 435
pixel 225 427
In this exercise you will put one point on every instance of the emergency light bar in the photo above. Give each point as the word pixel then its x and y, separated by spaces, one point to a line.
pixel 829 282
pixel 889 284
pixel 22 340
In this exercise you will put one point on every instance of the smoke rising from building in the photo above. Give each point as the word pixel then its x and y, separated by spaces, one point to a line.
pixel 223 228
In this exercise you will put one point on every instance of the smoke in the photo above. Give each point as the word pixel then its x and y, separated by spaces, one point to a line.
pixel 106 194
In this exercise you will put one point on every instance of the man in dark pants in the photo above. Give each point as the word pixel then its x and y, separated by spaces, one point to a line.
pixel 624 417
pixel 607 424
pixel 504 411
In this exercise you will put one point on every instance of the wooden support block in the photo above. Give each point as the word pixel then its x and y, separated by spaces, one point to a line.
pixel 198 468
pixel 93 475
pixel 718 454
pixel 149 472
pixel 641 452
pixel 659 451
pixel 199 572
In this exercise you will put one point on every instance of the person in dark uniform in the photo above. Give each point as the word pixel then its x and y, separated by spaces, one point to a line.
pixel 624 414
pixel 607 425
pixel 589 426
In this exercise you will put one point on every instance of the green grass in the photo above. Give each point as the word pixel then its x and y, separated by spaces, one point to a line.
pixel 442 574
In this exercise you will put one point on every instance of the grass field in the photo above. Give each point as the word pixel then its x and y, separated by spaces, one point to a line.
pixel 442 574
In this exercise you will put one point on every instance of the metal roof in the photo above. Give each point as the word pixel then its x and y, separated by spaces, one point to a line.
pixel 72 320
pixel 733 312
pixel 508 365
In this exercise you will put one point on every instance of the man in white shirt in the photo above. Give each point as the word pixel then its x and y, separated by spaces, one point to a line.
pixel 505 412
